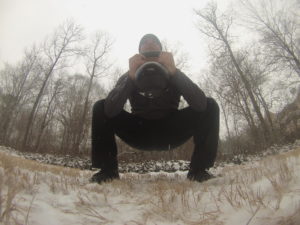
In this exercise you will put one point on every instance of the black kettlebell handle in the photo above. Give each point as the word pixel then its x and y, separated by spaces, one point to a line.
pixel 149 66
pixel 151 78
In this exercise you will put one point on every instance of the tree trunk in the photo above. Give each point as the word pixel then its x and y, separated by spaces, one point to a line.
pixel 44 124
pixel 37 101
pixel 83 117
pixel 248 88
pixel 10 111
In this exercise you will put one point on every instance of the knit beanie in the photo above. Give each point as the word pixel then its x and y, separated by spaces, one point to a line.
pixel 149 36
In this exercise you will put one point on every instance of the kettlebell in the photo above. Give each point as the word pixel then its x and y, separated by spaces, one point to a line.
pixel 151 78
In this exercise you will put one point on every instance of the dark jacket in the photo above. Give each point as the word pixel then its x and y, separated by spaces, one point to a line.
pixel 154 108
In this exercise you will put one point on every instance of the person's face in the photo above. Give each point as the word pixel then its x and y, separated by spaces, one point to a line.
pixel 149 45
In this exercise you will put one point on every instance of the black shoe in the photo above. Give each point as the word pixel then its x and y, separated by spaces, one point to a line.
pixel 104 176
pixel 200 176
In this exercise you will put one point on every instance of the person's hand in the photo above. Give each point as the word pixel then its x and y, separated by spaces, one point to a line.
pixel 134 63
pixel 166 59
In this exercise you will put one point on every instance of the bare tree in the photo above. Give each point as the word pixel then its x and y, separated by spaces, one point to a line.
pixel 181 58
pixel 218 27
pixel 61 45
pixel 16 87
pixel 54 89
pixel 229 88
pixel 70 106
pixel 278 24
pixel 97 65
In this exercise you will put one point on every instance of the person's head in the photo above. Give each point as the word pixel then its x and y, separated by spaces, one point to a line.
pixel 149 43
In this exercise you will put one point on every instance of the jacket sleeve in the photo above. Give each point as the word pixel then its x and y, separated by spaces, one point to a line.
pixel 194 96
pixel 118 96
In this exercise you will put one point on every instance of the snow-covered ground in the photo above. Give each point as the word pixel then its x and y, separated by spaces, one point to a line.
pixel 257 192
pixel 150 165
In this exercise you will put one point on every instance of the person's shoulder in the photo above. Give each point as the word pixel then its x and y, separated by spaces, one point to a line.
pixel 125 80
pixel 123 77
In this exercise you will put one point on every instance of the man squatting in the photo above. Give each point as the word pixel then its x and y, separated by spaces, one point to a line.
pixel 154 123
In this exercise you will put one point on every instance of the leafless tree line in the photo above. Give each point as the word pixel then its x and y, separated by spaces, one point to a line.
pixel 245 78
pixel 45 107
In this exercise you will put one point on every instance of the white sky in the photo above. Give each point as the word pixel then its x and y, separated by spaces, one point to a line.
pixel 24 22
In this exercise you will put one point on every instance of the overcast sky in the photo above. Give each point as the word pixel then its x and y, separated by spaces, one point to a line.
pixel 24 22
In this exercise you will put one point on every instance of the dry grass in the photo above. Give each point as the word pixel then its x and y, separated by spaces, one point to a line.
pixel 260 192
pixel 19 176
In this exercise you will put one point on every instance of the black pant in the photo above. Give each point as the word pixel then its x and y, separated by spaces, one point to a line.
pixel 162 134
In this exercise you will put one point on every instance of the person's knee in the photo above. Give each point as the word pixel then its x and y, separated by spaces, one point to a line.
pixel 212 105
pixel 98 106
